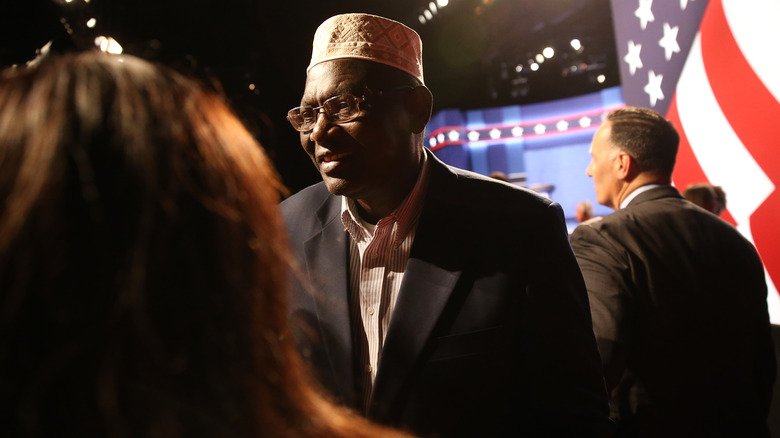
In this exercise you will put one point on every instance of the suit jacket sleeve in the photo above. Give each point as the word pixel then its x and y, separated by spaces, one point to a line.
pixel 605 273
pixel 566 362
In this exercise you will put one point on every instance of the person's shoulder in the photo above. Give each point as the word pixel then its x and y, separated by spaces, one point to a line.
pixel 307 208
pixel 592 225
pixel 305 199
pixel 592 222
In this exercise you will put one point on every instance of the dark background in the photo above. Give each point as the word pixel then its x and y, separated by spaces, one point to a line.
pixel 470 50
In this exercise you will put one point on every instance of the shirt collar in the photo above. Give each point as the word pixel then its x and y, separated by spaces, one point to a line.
pixel 405 215
pixel 638 191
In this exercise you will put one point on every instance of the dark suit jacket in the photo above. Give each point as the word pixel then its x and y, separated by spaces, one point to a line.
pixel 679 303
pixel 491 333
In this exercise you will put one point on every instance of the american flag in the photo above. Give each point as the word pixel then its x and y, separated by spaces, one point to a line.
pixel 713 68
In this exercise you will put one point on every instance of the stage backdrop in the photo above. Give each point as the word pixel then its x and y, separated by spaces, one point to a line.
pixel 543 146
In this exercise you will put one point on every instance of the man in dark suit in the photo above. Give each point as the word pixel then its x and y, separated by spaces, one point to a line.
pixel 678 296
pixel 428 297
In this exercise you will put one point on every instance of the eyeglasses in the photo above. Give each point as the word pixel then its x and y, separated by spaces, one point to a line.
pixel 338 109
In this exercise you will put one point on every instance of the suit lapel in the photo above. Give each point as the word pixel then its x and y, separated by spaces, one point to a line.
pixel 327 263
pixel 425 290
pixel 430 277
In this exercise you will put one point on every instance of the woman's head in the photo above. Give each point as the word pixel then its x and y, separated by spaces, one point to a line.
pixel 140 249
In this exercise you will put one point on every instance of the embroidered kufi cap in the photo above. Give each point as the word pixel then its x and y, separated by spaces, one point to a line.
pixel 369 37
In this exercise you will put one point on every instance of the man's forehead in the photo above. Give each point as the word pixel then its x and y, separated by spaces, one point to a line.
pixel 333 77
pixel 601 138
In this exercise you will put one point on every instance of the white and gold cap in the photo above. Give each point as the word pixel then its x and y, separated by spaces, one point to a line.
pixel 369 37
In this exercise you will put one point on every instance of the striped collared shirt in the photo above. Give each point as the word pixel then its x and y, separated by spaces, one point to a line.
pixel 378 256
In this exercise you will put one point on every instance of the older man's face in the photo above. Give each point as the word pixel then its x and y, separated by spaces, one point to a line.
pixel 369 157
pixel 602 167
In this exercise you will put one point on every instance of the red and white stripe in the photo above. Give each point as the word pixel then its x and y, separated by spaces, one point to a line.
pixel 727 109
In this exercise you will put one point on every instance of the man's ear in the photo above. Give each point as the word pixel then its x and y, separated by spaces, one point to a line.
pixel 419 105
pixel 626 167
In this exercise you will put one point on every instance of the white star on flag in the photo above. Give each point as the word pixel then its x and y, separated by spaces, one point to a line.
pixel 632 58
pixel 669 41
pixel 653 87
pixel 684 4
pixel 644 12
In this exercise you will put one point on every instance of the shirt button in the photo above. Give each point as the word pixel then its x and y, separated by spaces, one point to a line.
pixel 370 310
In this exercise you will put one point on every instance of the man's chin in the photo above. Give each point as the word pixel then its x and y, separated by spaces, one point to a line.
pixel 337 186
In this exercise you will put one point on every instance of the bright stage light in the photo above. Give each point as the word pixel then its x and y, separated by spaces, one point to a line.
pixel 108 45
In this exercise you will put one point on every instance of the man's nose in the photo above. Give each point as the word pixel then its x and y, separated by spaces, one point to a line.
pixel 321 126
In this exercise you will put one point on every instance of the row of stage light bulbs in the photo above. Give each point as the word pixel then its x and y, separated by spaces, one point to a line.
pixel 474 135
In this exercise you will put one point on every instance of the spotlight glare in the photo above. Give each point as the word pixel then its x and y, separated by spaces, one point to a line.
pixel 428 14
pixel 519 68
pixel 432 7
pixel 539 58
pixel 576 44
pixel 422 19
pixel 91 23
pixel 442 3
pixel 548 52
pixel 108 45
pixel 601 78
pixel 534 66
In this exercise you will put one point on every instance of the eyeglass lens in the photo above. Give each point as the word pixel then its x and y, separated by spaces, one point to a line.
pixel 338 109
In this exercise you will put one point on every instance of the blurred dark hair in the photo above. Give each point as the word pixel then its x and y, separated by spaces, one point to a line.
pixel 703 195
pixel 142 262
